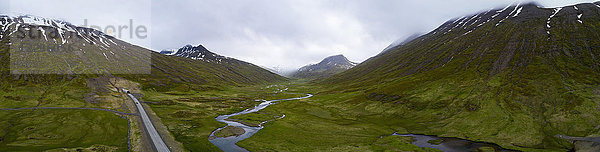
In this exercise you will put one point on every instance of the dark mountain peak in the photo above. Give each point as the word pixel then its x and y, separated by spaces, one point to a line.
pixel 531 4
pixel 196 48
pixel 198 53
pixel 199 47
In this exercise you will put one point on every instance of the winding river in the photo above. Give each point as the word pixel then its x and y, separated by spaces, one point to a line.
pixel 228 144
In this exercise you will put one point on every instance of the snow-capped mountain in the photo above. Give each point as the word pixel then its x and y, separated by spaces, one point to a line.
pixel 40 45
pixel 327 67
pixel 33 45
pixel 168 51
pixel 51 30
pixel 199 53
pixel 528 63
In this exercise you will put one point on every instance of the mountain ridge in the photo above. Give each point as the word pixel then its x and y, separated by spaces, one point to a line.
pixel 522 65
pixel 72 50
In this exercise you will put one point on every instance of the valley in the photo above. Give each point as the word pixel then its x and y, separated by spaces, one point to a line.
pixel 519 78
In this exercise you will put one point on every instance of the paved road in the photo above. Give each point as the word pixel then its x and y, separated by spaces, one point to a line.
pixel 157 141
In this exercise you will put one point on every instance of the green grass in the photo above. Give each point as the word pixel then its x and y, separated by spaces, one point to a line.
pixel 57 129
pixel 310 126
pixel 190 115
pixel 255 119
pixel 174 83
pixel 44 94
pixel 506 84
pixel 230 131
pixel 335 119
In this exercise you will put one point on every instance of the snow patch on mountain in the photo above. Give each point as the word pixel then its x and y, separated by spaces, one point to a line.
pixel 556 10
pixel 509 14
pixel 60 30
pixel 518 12
pixel 199 53
pixel 500 11
pixel 168 51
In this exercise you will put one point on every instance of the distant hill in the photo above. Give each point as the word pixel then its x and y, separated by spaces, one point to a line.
pixel 326 68
pixel 168 51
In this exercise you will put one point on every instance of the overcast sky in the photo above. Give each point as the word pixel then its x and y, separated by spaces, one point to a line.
pixel 273 33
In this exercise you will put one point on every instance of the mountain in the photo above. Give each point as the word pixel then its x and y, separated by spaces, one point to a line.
pixel 39 46
pixel 168 51
pixel 201 53
pixel 327 67
pixel 70 76
pixel 45 46
pixel 518 76
pixel 400 42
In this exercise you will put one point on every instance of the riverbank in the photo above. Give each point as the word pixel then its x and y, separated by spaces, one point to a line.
pixel 228 132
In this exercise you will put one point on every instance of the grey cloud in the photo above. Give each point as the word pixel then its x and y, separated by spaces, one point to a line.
pixel 280 33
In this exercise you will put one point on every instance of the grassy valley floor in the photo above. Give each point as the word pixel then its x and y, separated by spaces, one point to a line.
pixel 190 115
pixel 331 120
pixel 313 124
pixel 320 123
pixel 348 121
pixel 61 116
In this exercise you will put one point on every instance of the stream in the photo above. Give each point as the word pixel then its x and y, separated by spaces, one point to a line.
pixel 228 144
pixel 452 144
